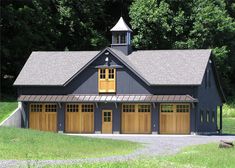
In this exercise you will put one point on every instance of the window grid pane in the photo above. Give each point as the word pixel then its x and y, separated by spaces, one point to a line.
pixel 87 108
pixel 50 108
pixel 143 108
pixel 167 108
pixel 36 107
pixel 183 108
pixel 128 108
pixel 72 108
pixel 102 73
pixel 111 73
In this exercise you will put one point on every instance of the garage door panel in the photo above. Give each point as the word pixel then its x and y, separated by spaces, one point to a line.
pixel 87 122
pixel 73 122
pixel 136 119
pixel 175 118
pixel 182 120
pixel 144 123
pixel 42 118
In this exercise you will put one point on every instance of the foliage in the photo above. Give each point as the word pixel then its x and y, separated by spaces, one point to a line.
pixel 60 25
pixel 193 157
pixel 16 143
pixel 167 24
pixel 229 109
pixel 229 125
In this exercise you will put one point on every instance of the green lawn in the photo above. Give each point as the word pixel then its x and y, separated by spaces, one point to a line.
pixel 229 117
pixel 206 156
pixel 6 108
pixel 18 143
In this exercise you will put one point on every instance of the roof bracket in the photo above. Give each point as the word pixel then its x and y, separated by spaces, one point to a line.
pixel 96 105
pixel 59 105
pixel 154 105
pixel 116 106
pixel 193 105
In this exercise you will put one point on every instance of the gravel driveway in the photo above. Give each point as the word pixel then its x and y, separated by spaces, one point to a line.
pixel 153 145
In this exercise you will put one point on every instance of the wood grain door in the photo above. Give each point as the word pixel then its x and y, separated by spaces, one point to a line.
pixel 174 118
pixel 73 122
pixel 107 80
pixel 87 120
pixel 43 117
pixel 107 122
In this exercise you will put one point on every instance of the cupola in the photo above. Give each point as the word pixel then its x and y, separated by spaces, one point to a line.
pixel 121 37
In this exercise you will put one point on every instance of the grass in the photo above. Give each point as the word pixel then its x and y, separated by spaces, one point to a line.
pixel 229 125
pixel 6 108
pixel 229 117
pixel 207 156
pixel 16 143
pixel 229 109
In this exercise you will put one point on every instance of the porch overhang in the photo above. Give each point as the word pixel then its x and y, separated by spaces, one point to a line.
pixel 130 98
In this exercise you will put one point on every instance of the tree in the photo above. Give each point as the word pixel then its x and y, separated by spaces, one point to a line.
pixel 165 24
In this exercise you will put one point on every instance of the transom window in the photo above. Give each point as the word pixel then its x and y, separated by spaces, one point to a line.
pixel 72 107
pixel 182 108
pixel 50 108
pixel 143 108
pixel 102 74
pixel 167 108
pixel 128 108
pixel 36 107
pixel 107 116
pixel 87 108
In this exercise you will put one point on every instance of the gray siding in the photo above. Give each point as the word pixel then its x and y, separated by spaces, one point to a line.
pixel 209 99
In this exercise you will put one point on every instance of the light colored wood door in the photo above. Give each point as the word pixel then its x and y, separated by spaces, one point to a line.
pixel 87 120
pixel 175 118
pixel 50 121
pixel 144 122
pixel 183 123
pixel 43 117
pixel 130 122
pixel 73 122
pixel 107 121
pixel 107 80
pixel 167 123
pixel 35 120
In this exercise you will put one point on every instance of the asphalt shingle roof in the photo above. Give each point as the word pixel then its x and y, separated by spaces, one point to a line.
pixel 156 67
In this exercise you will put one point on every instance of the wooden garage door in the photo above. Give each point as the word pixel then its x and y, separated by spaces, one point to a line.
pixel 136 118
pixel 174 118
pixel 43 117
pixel 79 118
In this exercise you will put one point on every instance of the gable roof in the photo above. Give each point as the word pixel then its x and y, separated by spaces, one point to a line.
pixel 121 26
pixel 154 67
pixel 52 68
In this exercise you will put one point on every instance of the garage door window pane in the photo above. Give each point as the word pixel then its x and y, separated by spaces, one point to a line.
pixel 182 108
pixel 128 108
pixel 143 108
pixel 167 108
pixel 50 108
pixel 36 107
pixel 72 107
pixel 87 108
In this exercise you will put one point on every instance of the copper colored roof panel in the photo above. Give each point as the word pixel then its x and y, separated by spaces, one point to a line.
pixel 106 98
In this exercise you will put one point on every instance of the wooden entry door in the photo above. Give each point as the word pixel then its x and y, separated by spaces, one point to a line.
pixel 107 122
pixel 43 117
pixel 174 118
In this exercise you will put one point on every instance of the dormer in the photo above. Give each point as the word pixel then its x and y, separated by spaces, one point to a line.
pixel 121 37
